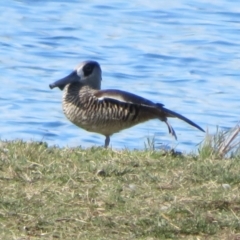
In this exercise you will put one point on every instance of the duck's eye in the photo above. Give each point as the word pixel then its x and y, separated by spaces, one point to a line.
pixel 87 70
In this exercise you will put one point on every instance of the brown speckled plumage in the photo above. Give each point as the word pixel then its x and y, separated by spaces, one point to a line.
pixel 106 111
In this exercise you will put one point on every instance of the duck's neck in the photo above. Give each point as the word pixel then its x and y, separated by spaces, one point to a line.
pixel 73 87
pixel 75 90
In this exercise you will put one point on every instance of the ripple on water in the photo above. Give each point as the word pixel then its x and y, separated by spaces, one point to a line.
pixel 184 55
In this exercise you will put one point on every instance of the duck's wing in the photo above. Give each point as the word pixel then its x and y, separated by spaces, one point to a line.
pixel 126 97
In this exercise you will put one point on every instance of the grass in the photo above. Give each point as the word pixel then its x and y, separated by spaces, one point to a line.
pixel 75 193
pixel 221 144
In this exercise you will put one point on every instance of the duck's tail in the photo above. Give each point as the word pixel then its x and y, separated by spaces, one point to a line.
pixel 173 114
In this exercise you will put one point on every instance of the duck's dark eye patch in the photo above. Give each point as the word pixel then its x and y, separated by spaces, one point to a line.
pixel 87 69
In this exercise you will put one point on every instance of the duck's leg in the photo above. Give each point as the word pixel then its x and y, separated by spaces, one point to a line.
pixel 107 141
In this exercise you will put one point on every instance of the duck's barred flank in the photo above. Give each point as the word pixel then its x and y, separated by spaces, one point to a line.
pixel 87 111
pixel 107 111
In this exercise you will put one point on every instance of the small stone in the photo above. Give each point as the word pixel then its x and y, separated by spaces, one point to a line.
pixel 101 173
pixel 226 186
pixel 132 187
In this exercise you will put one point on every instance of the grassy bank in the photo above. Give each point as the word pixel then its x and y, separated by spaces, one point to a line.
pixel 52 193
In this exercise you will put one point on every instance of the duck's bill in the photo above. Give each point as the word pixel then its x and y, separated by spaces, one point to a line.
pixel 72 77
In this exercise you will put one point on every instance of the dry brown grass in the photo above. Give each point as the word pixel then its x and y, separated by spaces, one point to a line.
pixel 52 193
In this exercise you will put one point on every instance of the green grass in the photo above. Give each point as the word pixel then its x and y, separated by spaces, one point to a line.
pixel 52 193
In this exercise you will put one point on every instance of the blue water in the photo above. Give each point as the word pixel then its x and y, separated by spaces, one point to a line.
pixel 184 54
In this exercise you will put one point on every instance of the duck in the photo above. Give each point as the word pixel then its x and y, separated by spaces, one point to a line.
pixel 107 111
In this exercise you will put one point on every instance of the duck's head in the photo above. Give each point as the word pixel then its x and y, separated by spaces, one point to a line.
pixel 88 73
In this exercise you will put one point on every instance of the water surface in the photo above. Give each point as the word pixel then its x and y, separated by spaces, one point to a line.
pixel 184 54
